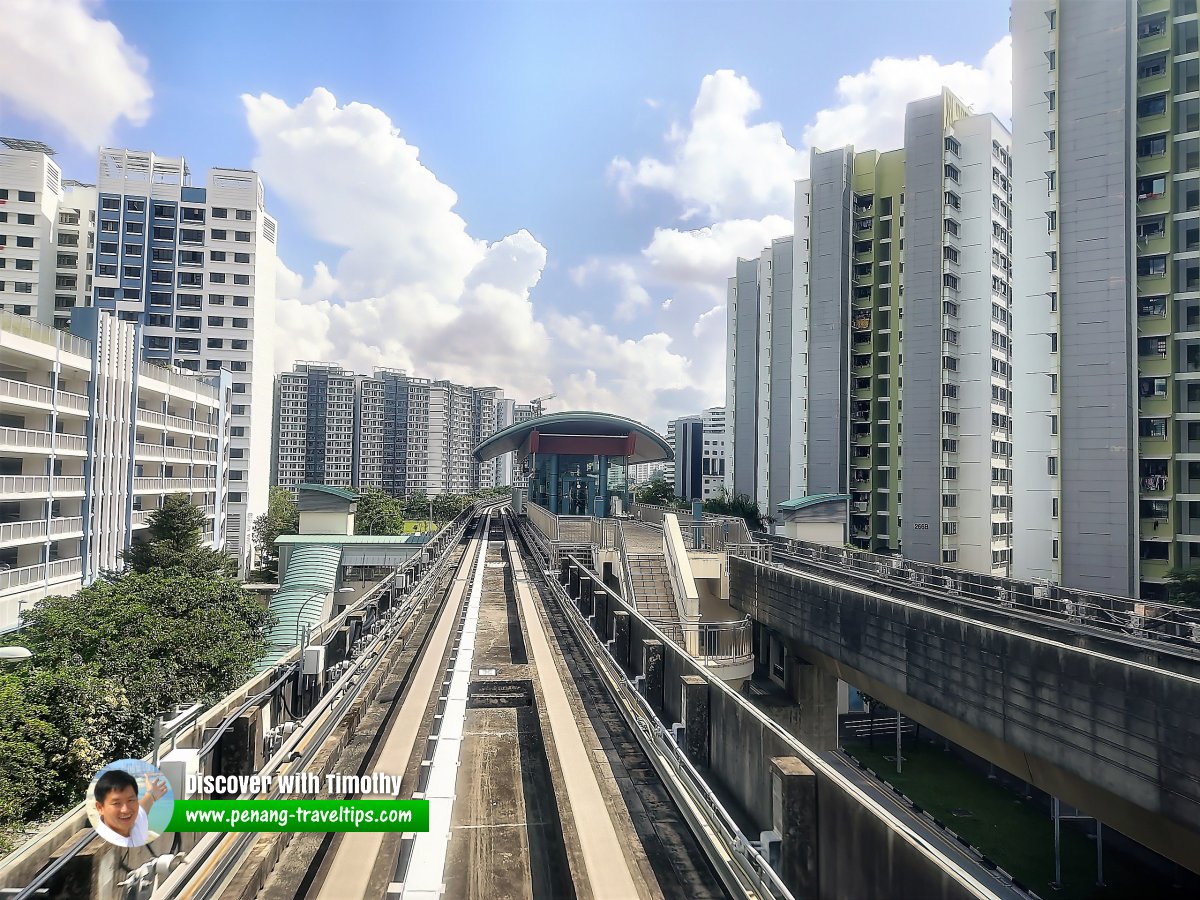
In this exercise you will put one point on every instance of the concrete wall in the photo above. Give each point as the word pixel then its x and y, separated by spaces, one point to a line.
pixel 921 417
pixel 829 313
pixel 779 485
pixel 1113 736
pixel 1099 406
pixel 741 743
pixel 742 423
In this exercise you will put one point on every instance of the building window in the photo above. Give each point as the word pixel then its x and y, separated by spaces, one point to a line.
pixel 243 236
pixel 1054 549
pixel 218 234
pixel 1054 507
pixel 1051 465
pixel 26 196
pixel 949 556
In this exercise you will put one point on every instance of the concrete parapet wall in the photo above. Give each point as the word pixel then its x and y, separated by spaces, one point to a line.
pixel 1113 735
pixel 737 753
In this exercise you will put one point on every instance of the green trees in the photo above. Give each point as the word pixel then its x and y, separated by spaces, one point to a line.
pixel 174 543
pixel 740 505
pixel 176 628
pixel 657 492
pixel 1185 587
pixel 379 513
pixel 281 517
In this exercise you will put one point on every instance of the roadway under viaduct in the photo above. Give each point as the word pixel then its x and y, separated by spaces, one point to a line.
pixel 1107 725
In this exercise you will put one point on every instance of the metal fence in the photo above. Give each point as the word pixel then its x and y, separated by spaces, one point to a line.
pixel 1125 615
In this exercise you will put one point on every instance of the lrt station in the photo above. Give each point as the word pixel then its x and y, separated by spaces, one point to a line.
pixel 604 699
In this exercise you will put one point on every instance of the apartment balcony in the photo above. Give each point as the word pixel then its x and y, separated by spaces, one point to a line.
pixel 59 570
pixel 20 487
pixel 69 527
pixel 31 329
pixel 150 418
pixel 27 440
pixel 140 518
pixel 68 486
pixel 14 533
pixel 43 398
pixel 1155 43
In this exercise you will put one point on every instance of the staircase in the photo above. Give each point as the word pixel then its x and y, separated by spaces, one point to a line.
pixel 652 592
pixel 652 588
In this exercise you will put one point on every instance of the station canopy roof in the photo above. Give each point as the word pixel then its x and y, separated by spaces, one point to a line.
pixel 578 432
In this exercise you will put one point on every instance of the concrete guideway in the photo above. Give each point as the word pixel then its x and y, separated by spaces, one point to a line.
pixel 607 869
pixel 1108 728
pixel 349 873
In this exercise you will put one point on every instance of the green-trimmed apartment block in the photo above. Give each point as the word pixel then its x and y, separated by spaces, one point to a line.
pixel 1106 119
pixel 869 354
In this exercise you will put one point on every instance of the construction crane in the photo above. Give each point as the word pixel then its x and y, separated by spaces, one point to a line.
pixel 536 404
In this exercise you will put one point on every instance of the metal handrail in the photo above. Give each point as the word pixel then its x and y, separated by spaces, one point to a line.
pixel 1135 618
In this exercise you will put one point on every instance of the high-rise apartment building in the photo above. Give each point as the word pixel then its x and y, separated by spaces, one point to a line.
pixel 767 377
pixel 92 439
pixel 699 446
pixel 315 408
pixel 195 267
pixel 47 234
pixel 1107 431
pixel 870 354
pixel 402 434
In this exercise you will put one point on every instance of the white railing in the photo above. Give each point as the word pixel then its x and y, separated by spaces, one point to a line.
pixel 139 517
pixel 69 525
pixel 43 572
pixel 143 450
pixel 714 643
pixel 71 484
pixel 151 417
pixel 29 439
pixel 36 393
pixel 25 439
pixel 16 532
pixel 34 330
pixel 147 484
pixel 63 568
pixel 70 442
pixel 24 484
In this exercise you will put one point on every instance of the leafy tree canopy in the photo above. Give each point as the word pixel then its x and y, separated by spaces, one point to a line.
pixel 1185 587
pixel 282 517
pixel 105 663
pixel 173 543
pixel 740 506
pixel 657 492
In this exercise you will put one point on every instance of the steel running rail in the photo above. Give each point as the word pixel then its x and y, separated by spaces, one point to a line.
pixel 214 864
pixel 741 867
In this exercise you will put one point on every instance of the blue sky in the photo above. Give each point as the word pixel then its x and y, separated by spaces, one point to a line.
pixel 520 109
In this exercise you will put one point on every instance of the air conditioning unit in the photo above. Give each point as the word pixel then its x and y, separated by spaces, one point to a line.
pixel 1005 598
pixel 1041 591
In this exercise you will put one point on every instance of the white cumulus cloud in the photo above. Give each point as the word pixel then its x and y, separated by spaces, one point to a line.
pixel 412 289
pixel 870 111
pixel 62 65
pixel 720 164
